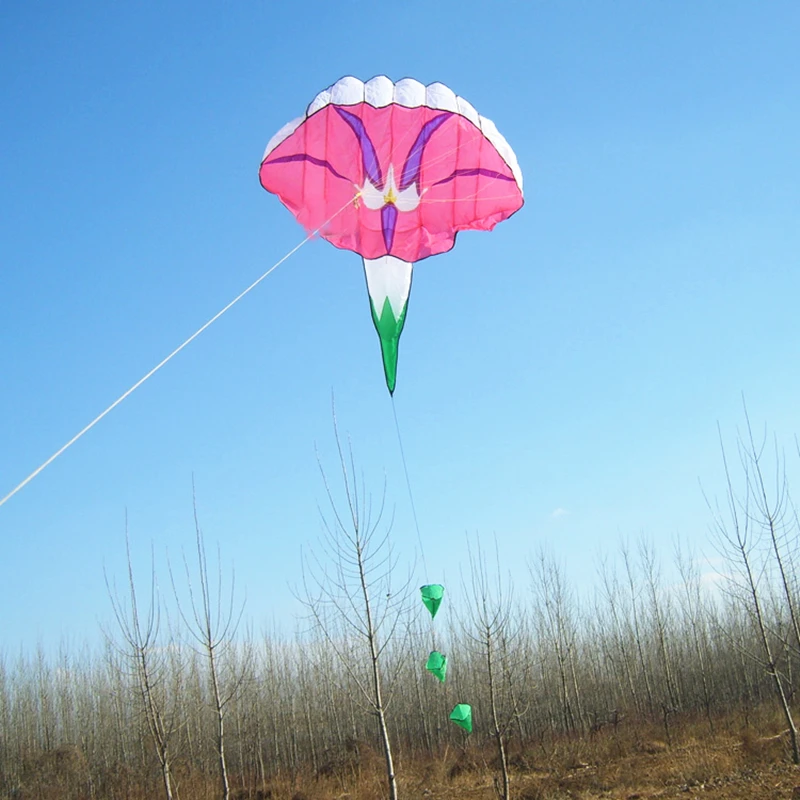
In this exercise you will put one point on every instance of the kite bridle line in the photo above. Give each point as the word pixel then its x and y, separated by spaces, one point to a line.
pixel 169 358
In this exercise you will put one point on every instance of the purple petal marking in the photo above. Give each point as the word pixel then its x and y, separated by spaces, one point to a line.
pixel 306 157
pixel 388 222
pixel 488 173
pixel 414 159
pixel 368 155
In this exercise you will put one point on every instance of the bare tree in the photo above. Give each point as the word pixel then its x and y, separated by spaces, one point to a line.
pixel 771 512
pixel 138 643
pixel 659 615
pixel 492 628
pixel 637 627
pixel 349 592
pixel 213 624
pixel 557 614
pixel 693 609
pixel 610 592
pixel 738 537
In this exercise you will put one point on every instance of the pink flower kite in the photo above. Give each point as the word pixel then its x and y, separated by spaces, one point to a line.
pixel 392 172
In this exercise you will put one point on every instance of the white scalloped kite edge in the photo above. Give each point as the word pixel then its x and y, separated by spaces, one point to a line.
pixel 380 91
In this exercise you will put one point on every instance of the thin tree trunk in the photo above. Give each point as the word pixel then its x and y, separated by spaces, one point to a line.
pixel 498 733
pixel 376 682
pixel 771 666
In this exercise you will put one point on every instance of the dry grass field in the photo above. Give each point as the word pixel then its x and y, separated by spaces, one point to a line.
pixel 633 762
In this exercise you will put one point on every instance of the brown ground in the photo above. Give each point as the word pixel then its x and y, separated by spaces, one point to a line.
pixel 736 762
pixel 740 760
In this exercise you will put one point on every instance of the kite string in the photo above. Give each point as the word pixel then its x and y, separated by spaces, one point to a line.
pixel 168 358
pixel 408 484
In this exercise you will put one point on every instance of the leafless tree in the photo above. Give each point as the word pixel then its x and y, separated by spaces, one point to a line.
pixel 622 657
pixel 739 532
pixel 491 627
pixel 556 611
pixel 350 593
pixel 138 644
pixel 695 617
pixel 634 594
pixel 213 619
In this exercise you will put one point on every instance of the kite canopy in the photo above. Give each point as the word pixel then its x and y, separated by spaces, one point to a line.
pixel 412 165
pixel 432 597
pixel 392 171
pixel 462 716
pixel 437 665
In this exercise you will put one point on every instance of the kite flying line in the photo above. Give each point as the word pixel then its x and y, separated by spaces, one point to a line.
pixel 408 484
pixel 169 358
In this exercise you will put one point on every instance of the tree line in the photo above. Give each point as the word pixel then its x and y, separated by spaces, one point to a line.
pixel 182 696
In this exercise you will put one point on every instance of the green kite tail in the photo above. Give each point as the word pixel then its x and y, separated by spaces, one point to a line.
pixel 437 665
pixel 388 284
pixel 432 597
pixel 462 716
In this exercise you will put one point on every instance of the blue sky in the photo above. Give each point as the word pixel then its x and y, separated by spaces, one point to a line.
pixel 578 357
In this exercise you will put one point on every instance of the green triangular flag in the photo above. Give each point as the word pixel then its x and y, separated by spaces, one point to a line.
pixel 432 597
pixel 462 716
pixel 437 665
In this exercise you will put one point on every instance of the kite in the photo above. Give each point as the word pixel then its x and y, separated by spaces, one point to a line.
pixel 462 716
pixel 392 171
pixel 432 597
pixel 437 665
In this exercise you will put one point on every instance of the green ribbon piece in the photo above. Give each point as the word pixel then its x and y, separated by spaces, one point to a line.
pixel 462 716
pixel 432 597
pixel 437 665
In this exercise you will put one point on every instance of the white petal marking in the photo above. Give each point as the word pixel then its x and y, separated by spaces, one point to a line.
pixel 371 196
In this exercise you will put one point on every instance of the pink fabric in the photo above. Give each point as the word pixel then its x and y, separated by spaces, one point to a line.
pixel 463 181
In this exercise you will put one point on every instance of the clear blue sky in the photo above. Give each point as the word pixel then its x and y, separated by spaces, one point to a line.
pixel 577 358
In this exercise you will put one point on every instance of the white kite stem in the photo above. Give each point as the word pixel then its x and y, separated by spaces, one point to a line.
pixel 164 361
